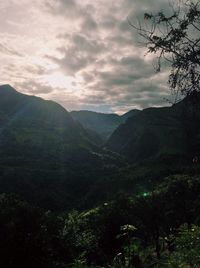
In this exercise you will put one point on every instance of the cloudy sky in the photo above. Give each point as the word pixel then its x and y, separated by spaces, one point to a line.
pixel 80 53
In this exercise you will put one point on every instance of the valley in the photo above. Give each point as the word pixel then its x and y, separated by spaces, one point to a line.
pixel 82 184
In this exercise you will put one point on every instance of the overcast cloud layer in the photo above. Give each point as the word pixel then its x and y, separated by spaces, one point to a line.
pixel 80 53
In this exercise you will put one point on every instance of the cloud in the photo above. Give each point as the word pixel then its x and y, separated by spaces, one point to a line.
pixel 80 53
pixel 61 7
pixel 71 63
pixel 34 88
pixel 9 51
pixel 89 24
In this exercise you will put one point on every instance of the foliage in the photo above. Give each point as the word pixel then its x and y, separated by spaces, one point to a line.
pixel 29 236
pixel 175 38
pixel 80 238
pixel 126 216
pixel 126 232
pixel 187 249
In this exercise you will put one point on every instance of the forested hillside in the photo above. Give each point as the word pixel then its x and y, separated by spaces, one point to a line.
pixel 41 149
pixel 169 132
pixel 86 189
pixel 71 203
pixel 103 124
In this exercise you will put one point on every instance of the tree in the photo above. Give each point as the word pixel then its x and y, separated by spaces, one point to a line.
pixel 176 39
pixel 187 248
pixel 29 236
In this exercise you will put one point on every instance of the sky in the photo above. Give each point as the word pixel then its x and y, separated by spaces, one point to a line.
pixel 82 54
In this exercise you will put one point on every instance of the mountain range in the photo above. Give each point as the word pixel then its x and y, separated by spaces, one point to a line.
pixel 101 123
pixel 61 160
pixel 41 149
pixel 160 132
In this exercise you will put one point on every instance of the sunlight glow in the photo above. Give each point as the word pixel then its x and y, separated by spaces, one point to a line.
pixel 59 80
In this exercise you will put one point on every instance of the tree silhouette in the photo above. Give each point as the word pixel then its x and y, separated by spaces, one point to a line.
pixel 176 39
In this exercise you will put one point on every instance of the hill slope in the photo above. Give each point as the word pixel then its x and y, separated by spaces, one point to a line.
pixel 156 132
pixel 103 124
pixel 23 115
pixel 41 150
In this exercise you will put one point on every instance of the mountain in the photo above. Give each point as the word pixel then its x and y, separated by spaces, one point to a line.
pixel 129 114
pixel 169 132
pixel 52 161
pixel 41 150
pixel 25 114
pixel 103 124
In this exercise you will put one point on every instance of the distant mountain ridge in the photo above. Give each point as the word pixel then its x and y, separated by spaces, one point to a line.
pixel 52 161
pixel 156 132
pixel 101 123
pixel 45 155
pixel 19 110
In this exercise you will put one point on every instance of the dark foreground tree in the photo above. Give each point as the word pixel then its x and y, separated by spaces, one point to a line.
pixel 176 38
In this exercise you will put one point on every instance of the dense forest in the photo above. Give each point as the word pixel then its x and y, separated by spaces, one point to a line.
pixel 66 201
pixel 153 229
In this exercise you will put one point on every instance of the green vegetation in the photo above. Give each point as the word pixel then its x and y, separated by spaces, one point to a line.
pixel 174 38
pixel 102 124
pixel 158 230
pixel 41 149
pixel 67 202
pixel 160 133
